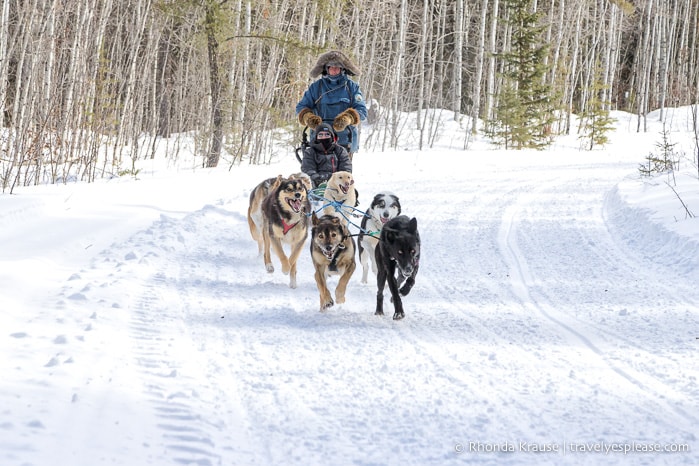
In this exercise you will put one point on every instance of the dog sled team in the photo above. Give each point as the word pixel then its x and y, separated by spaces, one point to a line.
pixel 322 200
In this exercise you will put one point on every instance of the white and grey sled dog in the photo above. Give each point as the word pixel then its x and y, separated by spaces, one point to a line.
pixel 383 208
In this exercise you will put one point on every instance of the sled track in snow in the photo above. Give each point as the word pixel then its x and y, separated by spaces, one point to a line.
pixel 183 437
pixel 528 290
pixel 466 277
pixel 504 310
pixel 157 338
pixel 178 381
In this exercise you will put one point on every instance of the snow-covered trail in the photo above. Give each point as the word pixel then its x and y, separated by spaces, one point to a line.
pixel 534 319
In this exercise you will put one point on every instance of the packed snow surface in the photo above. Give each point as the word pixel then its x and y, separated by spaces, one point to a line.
pixel 554 319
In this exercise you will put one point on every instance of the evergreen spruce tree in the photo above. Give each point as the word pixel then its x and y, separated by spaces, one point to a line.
pixel 664 162
pixel 524 113
pixel 595 122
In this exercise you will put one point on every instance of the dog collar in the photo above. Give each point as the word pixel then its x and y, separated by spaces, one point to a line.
pixel 286 227
pixel 333 262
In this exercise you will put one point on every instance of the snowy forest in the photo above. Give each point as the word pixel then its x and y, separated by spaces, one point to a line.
pixel 89 86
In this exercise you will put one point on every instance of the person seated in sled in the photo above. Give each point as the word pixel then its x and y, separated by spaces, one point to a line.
pixel 334 98
pixel 324 156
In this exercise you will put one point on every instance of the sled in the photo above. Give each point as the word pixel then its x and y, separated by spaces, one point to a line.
pixel 304 145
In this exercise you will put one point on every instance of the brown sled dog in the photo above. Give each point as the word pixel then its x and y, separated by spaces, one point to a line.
pixel 283 221
pixel 255 219
pixel 332 251
pixel 258 194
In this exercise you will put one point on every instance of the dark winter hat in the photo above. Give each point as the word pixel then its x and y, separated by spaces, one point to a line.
pixel 334 58
pixel 325 127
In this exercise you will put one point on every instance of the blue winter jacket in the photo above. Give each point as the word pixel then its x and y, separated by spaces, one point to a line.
pixel 329 96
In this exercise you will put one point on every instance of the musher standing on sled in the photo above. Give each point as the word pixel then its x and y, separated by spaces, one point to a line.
pixel 335 99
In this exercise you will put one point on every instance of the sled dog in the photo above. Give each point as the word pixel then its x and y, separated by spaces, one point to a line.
pixel 340 188
pixel 398 260
pixel 332 251
pixel 255 217
pixel 383 208
pixel 258 194
pixel 284 221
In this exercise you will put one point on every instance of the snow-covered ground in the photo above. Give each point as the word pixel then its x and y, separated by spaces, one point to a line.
pixel 556 309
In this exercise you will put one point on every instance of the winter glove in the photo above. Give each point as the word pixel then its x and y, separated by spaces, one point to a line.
pixel 344 119
pixel 310 119
pixel 319 190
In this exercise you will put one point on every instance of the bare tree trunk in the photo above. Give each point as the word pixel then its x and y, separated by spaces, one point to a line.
pixel 492 47
pixel 214 152
pixel 644 69
pixel 610 55
pixel 459 58
pixel 420 120
pixel 667 50
pixel 398 72
pixel 5 145
pixel 480 60
pixel 4 62
pixel 606 54
pixel 559 41
pixel 570 88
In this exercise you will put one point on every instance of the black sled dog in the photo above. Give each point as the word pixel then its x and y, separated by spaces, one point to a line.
pixel 398 260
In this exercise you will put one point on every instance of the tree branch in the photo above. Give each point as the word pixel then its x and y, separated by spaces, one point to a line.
pixel 295 43
pixel 689 213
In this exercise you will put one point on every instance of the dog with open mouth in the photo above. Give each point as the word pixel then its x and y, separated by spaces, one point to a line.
pixel 257 195
pixel 340 189
pixel 384 207
pixel 281 218
pixel 398 260
pixel 332 252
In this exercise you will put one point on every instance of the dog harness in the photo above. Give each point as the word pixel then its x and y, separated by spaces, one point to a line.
pixel 333 262
pixel 286 227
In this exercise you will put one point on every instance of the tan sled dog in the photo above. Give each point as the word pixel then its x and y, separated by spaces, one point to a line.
pixel 332 251
pixel 340 188
pixel 258 194
pixel 255 218
pixel 284 221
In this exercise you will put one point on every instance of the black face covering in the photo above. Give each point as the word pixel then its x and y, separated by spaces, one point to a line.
pixel 326 143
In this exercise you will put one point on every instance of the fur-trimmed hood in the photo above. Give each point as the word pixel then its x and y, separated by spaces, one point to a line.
pixel 334 56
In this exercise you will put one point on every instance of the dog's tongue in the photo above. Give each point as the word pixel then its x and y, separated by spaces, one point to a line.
pixel 344 188
pixel 384 220
pixel 295 204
